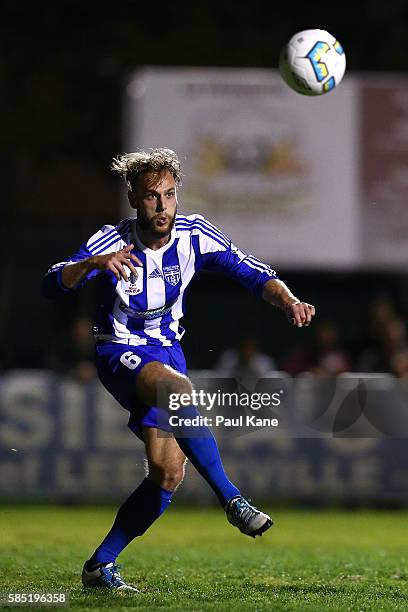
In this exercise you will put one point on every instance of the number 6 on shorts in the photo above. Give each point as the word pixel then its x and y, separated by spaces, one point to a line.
pixel 130 360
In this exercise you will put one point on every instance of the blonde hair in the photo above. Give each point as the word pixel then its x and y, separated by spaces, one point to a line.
pixel 132 165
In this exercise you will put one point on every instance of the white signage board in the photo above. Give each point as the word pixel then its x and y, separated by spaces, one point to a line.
pixel 276 171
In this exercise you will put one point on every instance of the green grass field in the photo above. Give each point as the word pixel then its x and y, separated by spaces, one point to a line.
pixel 194 560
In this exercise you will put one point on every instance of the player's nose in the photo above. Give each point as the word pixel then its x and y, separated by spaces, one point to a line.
pixel 160 205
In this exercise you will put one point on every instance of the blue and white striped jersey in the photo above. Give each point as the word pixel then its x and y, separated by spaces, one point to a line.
pixel 147 309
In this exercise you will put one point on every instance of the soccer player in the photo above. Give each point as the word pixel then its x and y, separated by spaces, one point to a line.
pixel 143 267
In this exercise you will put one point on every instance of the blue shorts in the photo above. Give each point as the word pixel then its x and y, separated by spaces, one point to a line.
pixel 118 366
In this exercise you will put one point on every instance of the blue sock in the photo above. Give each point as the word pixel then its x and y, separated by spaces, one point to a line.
pixel 200 447
pixel 134 517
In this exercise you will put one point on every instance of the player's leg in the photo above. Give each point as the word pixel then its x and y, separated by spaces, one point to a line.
pixel 144 506
pixel 149 500
pixel 199 445
pixel 197 442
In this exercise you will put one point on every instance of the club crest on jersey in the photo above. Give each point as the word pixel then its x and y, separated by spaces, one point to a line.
pixel 172 274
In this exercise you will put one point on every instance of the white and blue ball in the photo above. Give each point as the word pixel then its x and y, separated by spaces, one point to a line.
pixel 313 62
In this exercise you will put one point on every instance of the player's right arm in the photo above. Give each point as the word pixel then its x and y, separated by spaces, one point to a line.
pixel 73 274
pixel 106 251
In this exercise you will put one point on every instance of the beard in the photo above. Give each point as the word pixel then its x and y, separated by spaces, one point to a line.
pixel 150 225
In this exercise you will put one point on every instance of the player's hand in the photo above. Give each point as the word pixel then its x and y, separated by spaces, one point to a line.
pixel 300 313
pixel 115 262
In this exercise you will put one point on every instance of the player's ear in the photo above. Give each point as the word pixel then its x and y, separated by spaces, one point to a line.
pixel 132 199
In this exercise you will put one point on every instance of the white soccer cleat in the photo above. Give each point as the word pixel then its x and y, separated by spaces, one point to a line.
pixel 248 519
pixel 106 576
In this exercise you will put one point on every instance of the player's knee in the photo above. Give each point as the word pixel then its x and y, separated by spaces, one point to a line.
pixel 179 385
pixel 172 479
pixel 167 477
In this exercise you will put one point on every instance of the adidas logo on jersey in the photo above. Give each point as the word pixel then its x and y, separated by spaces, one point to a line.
pixel 156 274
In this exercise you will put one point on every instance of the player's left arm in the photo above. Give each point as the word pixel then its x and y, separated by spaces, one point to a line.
pixel 278 294
pixel 218 253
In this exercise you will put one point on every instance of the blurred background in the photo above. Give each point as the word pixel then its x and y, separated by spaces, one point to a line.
pixel 315 187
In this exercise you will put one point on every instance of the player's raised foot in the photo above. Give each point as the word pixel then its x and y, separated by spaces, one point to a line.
pixel 248 519
pixel 106 576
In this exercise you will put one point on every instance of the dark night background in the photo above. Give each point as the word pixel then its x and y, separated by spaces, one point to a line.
pixel 63 67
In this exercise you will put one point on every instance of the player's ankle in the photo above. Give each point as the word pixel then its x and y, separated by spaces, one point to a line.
pixel 91 565
pixel 229 501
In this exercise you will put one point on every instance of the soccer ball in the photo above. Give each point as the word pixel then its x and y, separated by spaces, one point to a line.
pixel 313 62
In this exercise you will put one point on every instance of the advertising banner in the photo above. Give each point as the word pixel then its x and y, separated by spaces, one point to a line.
pixel 316 440
pixel 276 171
pixel 384 137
